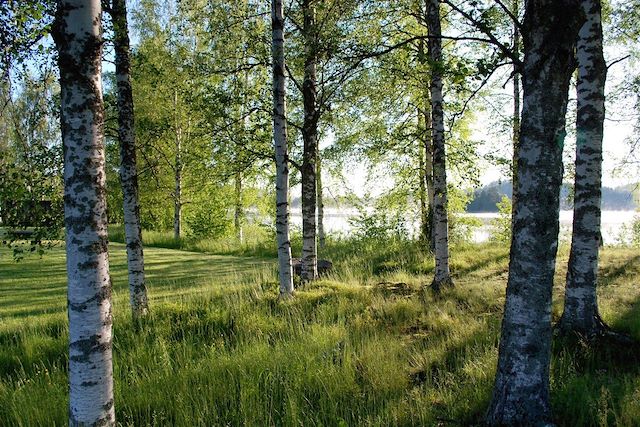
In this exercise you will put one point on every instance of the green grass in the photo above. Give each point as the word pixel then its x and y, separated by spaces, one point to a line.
pixel 364 346
pixel 257 242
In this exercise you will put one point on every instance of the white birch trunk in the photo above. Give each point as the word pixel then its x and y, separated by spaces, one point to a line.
pixel 310 137
pixel 521 390
pixel 242 131
pixel 515 134
pixel 442 276
pixel 285 270
pixel 580 302
pixel 238 214
pixel 428 172
pixel 128 168
pixel 177 192
pixel 426 141
pixel 422 181
pixel 321 233
pixel 78 36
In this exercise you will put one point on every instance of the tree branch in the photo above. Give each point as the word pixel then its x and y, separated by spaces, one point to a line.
pixel 612 63
pixel 507 51
pixel 513 18
pixel 293 79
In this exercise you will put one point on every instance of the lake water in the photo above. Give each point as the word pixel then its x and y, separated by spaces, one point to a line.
pixel 337 221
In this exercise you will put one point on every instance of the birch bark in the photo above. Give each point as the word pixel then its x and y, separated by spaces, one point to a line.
pixel 128 168
pixel 521 390
pixel 321 233
pixel 177 170
pixel 238 213
pixel 77 33
pixel 428 172
pixel 281 149
pixel 516 107
pixel 425 149
pixel 422 181
pixel 440 222
pixel 310 152
pixel 580 301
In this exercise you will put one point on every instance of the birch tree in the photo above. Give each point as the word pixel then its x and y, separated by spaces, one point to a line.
pixel 128 166
pixel 238 210
pixel 332 53
pixel 281 148
pixel 425 139
pixel 78 36
pixel 426 174
pixel 178 168
pixel 440 221
pixel 515 125
pixel 521 390
pixel 310 138
pixel 320 200
pixel 172 127
pixel 580 302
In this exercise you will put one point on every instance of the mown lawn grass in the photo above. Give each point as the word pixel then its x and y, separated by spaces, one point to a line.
pixel 365 345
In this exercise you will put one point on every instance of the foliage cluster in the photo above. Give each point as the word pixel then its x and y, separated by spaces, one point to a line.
pixel 630 233
pixel 501 225
pixel 31 203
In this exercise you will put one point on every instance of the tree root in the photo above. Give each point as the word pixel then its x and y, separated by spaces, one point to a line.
pixel 286 296
pixel 597 331
pixel 598 348
pixel 438 285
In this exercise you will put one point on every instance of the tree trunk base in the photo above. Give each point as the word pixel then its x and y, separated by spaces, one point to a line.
pixel 439 284
pixel 602 348
pixel 141 323
pixel 139 315
pixel 591 331
pixel 286 296
pixel 510 413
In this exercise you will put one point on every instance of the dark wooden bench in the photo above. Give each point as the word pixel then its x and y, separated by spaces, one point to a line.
pixel 20 234
pixel 324 266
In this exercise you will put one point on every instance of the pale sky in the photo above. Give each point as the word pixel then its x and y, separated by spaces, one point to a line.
pixel 620 119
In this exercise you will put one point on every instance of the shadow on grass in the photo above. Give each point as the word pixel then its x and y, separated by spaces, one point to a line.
pixel 439 373
pixel 481 264
pixel 603 353
pixel 24 313
pixel 596 380
pixel 611 273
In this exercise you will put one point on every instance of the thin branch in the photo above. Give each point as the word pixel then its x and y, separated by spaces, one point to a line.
pixel 618 60
pixel 514 18
pixel 474 93
pixel 507 51
pixel 292 77
pixel 295 164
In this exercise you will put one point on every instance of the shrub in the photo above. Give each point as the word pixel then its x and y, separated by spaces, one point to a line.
pixel 501 226
pixel 630 233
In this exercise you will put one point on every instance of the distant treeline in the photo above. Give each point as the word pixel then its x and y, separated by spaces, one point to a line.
pixel 619 198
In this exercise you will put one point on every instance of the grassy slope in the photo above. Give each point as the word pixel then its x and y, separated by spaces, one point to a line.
pixel 221 350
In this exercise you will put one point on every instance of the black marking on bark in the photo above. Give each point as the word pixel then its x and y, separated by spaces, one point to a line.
pixel 87 347
pixel 103 294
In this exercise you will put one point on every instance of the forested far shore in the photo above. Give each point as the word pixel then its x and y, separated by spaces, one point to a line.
pixel 622 198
